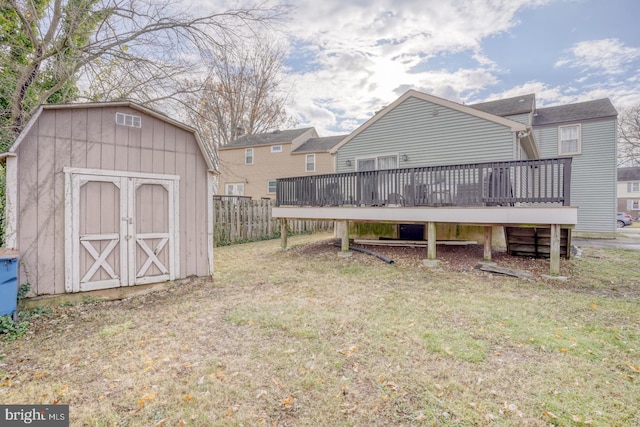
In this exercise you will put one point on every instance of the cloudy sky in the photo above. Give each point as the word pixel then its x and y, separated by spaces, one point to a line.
pixel 349 58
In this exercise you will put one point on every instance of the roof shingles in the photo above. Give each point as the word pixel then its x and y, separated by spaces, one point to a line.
pixel 269 138
pixel 315 145
pixel 509 106
pixel 588 110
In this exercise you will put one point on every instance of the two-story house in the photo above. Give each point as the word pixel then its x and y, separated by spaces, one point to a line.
pixel 629 191
pixel 250 165
pixel 446 167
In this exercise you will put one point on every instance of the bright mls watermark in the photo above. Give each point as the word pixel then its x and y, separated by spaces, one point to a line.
pixel 34 415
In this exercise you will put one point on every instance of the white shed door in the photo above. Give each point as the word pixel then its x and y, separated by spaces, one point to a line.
pixel 121 229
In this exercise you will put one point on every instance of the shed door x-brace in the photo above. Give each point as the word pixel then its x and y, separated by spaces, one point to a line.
pixel 121 229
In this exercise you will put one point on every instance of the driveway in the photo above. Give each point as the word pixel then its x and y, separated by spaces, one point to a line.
pixel 626 238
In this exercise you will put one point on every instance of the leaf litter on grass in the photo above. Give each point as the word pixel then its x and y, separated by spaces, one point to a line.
pixel 302 337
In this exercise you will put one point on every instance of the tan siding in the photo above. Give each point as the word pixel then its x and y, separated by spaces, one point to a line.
pixel 94 151
pixel 147 159
pixel 201 201
pixel 79 153
pixel 63 121
pixel 46 211
pixel 62 159
pixel 108 156
pixel 181 170
pixel 324 163
pixel 79 126
pixel 135 156
pixel 147 137
pixel 122 151
pixel 94 130
pixel 190 199
pixel 169 133
pixel 28 211
pixel 266 166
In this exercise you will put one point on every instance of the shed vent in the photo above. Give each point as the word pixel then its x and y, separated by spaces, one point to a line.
pixel 128 120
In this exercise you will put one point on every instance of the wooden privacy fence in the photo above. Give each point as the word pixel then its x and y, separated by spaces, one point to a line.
pixel 240 219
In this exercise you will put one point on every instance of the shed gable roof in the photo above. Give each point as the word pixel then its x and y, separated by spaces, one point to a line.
pixel 206 154
pixel 588 110
pixel 512 124
pixel 629 174
pixel 268 138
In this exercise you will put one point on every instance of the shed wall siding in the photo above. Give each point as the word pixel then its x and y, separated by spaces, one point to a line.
pixel 593 173
pixel 430 135
pixel 89 138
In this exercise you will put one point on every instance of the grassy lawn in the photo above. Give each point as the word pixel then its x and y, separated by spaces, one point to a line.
pixel 303 337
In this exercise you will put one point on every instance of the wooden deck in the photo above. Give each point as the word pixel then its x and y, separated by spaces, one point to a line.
pixel 511 194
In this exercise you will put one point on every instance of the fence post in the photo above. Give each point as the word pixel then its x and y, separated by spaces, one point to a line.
pixel 283 233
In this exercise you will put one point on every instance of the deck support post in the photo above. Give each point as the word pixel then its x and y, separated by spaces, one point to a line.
pixel 343 232
pixel 431 241
pixel 487 243
pixel 555 250
pixel 283 233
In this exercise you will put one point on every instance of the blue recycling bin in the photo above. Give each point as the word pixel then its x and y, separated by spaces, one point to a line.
pixel 8 286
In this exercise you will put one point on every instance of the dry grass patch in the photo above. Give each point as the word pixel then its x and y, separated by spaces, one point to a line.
pixel 303 337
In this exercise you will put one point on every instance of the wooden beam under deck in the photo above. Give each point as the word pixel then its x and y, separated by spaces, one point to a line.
pixel 552 216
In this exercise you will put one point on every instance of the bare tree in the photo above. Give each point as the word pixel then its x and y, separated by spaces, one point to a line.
pixel 46 44
pixel 629 136
pixel 242 92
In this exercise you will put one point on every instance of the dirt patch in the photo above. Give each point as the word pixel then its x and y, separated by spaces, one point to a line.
pixel 455 258
pixel 466 258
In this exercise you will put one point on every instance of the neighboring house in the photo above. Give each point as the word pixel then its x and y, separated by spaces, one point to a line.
pixel 629 191
pixel 107 195
pixel 250 165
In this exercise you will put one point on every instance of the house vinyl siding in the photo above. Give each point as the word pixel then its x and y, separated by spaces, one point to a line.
pixel 593 172
pixel 524 118
pixel 430 134
pixel 88 138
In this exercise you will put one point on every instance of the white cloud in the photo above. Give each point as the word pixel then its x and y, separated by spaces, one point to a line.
pixel 609 56
pixel 350 58
pixel 366 53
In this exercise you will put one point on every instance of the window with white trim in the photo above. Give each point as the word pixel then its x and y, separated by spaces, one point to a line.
pixel 271 186
pixel 569 140
pixel 376 163
pixel 633 205
pixel 310 163
pixel 276 148
pixel 130 120
pixel 248 156
pixel 633 187
pixel 234 189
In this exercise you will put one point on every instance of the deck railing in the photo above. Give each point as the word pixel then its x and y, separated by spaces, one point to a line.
pixel 509 183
